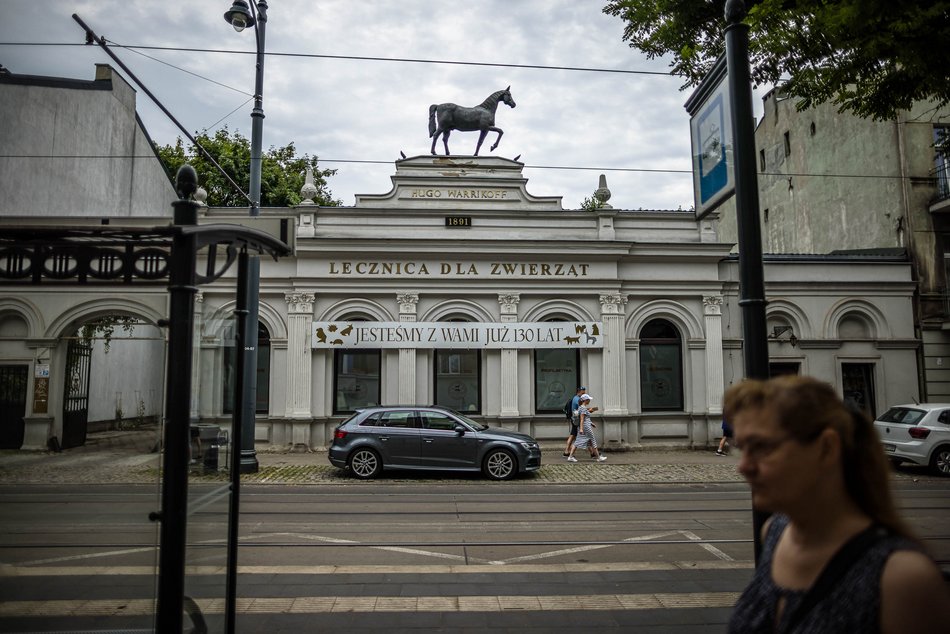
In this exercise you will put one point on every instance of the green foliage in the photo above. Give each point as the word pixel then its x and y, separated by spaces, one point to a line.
pixel 104 328
pixel 282 171
pixel 593 203
pixel 869 57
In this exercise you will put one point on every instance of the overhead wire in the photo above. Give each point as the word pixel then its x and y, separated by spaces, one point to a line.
pixel 138 48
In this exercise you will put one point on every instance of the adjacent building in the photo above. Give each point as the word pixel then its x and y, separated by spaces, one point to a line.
pixel 835 183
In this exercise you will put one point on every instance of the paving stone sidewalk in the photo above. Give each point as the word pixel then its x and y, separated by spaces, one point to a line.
pixel 130 456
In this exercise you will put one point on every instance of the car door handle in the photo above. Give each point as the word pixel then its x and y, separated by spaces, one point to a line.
pixel 428 438
pixel 384 438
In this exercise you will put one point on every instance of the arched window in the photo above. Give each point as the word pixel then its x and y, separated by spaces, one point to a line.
pixel 262 405
pixel 661 366
pixel 356 378
pixel 556 377
pixel 458 378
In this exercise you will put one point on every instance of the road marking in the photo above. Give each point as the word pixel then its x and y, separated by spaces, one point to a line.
pixel 709 547
pixel 324 605
pixel 7 570
pixel 581 549
pixel 404 550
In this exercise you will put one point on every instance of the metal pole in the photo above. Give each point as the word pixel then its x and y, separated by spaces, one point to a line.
pixel 174 513
pixel 249 463
pixel 751 277
pixel 240 312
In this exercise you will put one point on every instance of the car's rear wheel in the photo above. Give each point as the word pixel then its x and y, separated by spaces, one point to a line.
pixel 499 464
pixel 940 461
pixel 365 464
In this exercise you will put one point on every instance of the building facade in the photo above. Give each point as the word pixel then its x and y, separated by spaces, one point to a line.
pixel 832 182
pixel 457 286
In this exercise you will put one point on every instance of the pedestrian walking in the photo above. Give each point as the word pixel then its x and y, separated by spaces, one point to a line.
pixel 726 437
pixel 585 435
pixel 836 557
pixel 572 419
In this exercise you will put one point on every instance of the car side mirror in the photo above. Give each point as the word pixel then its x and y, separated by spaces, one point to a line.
pixel 460 430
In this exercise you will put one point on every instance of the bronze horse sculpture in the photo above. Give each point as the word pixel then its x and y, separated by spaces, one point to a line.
pixel 445 117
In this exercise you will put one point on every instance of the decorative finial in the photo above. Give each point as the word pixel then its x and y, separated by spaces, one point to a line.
pixel 201 196
pixel 309 190
pixel 735 11
pixel 186 181
pixel 602 193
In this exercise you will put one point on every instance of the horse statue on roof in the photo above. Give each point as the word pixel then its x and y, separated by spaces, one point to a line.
pixel 445 117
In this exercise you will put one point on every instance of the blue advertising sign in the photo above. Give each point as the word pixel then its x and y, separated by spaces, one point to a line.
pixel 711 141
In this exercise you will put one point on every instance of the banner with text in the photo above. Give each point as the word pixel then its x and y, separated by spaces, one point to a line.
pixel 417 334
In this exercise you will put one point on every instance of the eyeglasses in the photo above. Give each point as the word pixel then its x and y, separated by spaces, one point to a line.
pixel 760 448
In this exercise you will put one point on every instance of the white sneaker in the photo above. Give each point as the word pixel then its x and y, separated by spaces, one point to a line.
pixel 571 459
pixel 601 458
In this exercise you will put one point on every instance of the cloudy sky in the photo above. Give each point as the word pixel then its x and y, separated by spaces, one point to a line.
pixel 356 115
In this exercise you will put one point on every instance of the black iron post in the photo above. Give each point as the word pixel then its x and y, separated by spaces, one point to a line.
pixel 751 276
pixel 174 514
pixel 240 15
pixel 240 312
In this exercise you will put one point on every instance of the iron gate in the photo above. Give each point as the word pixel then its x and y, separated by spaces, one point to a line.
pixel 13 384
pixel 76 393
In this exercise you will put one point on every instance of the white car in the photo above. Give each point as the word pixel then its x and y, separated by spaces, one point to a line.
pixel 918 434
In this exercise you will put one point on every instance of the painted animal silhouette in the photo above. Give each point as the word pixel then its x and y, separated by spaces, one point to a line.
pixel 347 330
pixel 589 338
pixel 445 117
pixel 571 340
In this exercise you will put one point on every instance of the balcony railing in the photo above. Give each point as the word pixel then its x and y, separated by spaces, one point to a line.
pixel 942 176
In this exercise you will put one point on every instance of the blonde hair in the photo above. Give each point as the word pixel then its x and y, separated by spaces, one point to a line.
pixel 804 407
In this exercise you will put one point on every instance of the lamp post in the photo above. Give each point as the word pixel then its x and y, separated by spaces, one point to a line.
pixel 241 16
pixel 751 273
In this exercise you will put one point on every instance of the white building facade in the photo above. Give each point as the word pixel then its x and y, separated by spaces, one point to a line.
pixel 459 287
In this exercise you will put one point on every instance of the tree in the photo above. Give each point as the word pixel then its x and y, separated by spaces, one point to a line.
pixel 869 57
pixel 282 171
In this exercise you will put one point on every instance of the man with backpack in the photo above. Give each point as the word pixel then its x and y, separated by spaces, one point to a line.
pixel 570 411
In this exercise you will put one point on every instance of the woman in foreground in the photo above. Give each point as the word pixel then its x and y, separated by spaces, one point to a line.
pixel 819 467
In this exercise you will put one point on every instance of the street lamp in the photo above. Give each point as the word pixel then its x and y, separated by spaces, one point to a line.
pixel 240 16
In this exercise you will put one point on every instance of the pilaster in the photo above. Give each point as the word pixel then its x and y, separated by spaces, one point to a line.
pixel 196 356
pixel 509 358
pixel 408 304
pixel 299 365
pixel 612 310
pixel 712 318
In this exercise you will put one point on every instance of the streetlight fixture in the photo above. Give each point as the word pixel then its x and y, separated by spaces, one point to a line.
pixel 240 16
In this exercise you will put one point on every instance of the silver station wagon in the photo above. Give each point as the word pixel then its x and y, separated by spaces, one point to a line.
pixel 419 437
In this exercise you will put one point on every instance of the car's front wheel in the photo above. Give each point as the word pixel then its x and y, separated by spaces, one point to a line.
pixel 940 461
pixel 365 464
pixel 499 464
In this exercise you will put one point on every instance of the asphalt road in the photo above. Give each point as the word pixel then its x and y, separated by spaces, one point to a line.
pixel 424 555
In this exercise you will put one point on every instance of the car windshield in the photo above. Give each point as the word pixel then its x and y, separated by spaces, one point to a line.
pixel 468 421
pixel 904 415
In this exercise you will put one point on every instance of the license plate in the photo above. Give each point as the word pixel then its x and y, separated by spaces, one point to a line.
pixel 890 448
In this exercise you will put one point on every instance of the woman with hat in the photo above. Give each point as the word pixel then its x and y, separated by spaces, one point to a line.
pixel 585 436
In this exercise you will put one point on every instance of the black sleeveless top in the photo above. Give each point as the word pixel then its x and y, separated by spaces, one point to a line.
pixel 853 605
